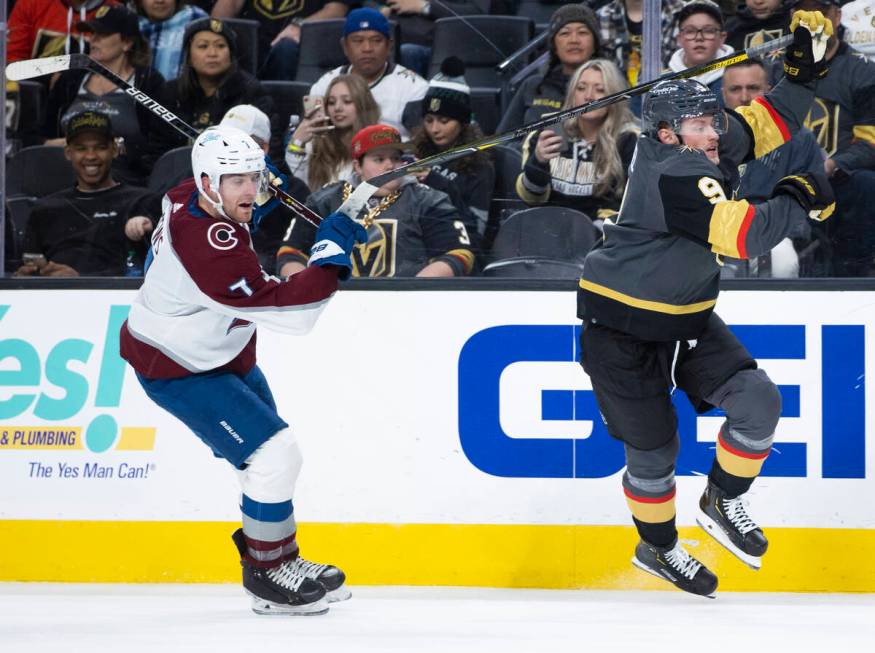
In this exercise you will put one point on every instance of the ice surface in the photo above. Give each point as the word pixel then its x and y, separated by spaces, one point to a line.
pixel 36 617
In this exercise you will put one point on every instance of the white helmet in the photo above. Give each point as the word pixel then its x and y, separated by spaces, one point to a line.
pixel 225 150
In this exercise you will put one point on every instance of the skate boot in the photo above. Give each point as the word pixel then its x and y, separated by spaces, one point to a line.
pixel 727 521
pixel 674 564
pixel 280 590
pixel 328 576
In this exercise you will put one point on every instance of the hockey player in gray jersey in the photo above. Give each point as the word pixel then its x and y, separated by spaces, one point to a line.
pixel 648 292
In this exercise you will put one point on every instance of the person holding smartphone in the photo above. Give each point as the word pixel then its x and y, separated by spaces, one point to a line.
pixel 318 152
pixel 582 164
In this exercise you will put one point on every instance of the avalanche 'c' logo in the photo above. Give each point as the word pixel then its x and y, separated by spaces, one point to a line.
pixel 275 9
pixel 221 236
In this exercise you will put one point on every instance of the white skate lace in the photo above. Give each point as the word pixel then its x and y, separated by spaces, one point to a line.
pixel 311 570
pixel 288 575
pixel 682 562
pixel 736 513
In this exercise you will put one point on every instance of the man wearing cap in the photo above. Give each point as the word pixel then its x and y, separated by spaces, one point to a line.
pixel 700 38
pixel 90 229
pixel 47 28
pixel 367 42
pixel 413 230
pixel 843 120
pixel 279 28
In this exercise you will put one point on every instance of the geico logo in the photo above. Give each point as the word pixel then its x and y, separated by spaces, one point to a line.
pixel 516 423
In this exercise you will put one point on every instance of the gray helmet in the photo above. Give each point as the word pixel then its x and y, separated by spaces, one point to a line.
pixel 672 101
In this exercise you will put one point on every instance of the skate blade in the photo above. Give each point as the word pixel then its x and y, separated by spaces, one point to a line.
pixel 710 526
pixel 264 607
pixel 636 562
pixel 340 594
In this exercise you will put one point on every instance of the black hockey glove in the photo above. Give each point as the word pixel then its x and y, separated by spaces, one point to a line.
pixel 812 191
pixel 805 59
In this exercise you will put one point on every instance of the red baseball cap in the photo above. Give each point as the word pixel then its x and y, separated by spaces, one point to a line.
pixel 377 137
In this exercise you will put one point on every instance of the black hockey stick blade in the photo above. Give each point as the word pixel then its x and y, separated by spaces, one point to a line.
pixel 357 198
pixel 30 68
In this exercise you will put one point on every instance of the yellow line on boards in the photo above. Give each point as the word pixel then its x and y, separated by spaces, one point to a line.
pixel 556 557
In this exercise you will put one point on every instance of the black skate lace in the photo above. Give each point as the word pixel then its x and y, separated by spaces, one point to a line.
pixel 288 575
pixel 735 512
pixel 309 569
pixel 683 562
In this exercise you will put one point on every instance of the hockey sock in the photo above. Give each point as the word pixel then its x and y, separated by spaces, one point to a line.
pixel 652 506
pixel 269 530
pixel 738 462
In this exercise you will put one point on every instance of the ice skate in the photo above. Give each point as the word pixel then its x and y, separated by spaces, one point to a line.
pixel 328 576
pixel 283 590
pixel 727 521
pixel 674 564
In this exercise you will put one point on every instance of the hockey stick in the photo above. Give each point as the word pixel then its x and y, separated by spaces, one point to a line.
pixel 30 68
pixel 360 195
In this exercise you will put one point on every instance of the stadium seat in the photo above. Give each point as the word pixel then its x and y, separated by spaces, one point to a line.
pixel 288 98
pixel 38 171
pixel 482 42
pixel 486 106
pixel 170 169
pixel 17 214
pixel 545 242
pixel 508 166
pixel 32 109
pixel 320 49
pixel 247 42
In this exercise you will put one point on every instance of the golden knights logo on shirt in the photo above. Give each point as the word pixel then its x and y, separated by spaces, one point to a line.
pixel 275 9
pixel 823 121
pixel 376 258
pixel 762 36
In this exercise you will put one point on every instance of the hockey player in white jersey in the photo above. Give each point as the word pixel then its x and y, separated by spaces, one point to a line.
pixel 190 337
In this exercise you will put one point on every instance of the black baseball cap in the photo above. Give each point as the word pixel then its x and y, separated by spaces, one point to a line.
pixel 213 25
pixel 89 121
pixel 700 7
pixel 112 20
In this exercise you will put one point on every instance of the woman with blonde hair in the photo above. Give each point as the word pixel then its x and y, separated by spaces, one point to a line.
pixel 318 152
pixel 582 164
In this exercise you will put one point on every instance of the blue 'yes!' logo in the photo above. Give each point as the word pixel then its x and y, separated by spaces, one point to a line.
pixel 489 352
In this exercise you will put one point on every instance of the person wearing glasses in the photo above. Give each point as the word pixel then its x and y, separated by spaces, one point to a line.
pixel 701 38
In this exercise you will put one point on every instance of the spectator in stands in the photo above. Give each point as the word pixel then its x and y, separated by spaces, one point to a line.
pixel 367 43
pixel 582 165
pixel 468 181
pixel 742 83
pixel 319 150
pixel 574 39
pixel 700 39
pixel 758 21
pixel 416 21
pixel 279 29
pixel 89 229
pixel 621 23
pixel 47 28
pixel 269 219
pixel 413 230
pixel 115 41
pixel 210 81
pixel 842 118
pixel 162 24
pixel 858 19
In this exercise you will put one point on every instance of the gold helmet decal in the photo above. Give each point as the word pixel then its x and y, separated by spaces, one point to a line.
pixel 101 12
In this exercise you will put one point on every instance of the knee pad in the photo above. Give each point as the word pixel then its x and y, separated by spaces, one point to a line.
pixel 752 405
pixel 273 469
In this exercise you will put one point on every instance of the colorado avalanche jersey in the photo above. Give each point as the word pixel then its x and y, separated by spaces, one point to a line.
pixel 205 292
